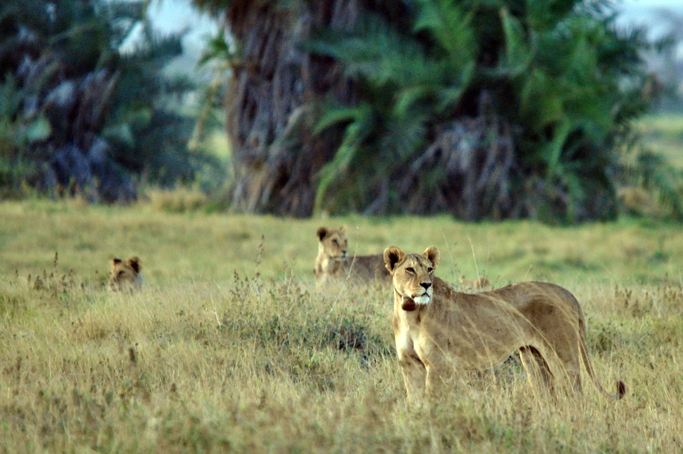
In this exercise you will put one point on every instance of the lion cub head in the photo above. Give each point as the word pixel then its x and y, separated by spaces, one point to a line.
pixel 412 275
pixel 332 244
pixel 125 274
pixel 479 283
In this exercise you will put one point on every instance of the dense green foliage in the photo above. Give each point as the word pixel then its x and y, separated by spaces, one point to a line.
pixel 559 75
pixel 77 114
pixel 486 109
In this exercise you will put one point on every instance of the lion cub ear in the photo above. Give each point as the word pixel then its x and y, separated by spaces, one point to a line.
pixel 432 255
pixel 134 263
pixel 342 230
pixel 392 256
pixel 115 261
pixel 321 233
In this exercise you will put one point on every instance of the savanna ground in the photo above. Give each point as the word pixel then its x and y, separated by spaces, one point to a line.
pixel 230 348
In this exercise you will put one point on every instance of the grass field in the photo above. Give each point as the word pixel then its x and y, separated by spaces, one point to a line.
pixel 230 347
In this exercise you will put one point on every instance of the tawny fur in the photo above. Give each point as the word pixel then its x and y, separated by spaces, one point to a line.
pixel 439 331
pixel 125 275
pixel 332 263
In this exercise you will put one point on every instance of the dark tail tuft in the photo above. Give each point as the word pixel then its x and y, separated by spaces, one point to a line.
pixel 621 389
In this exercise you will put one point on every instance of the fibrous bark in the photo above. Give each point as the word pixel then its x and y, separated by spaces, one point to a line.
pixel 476 160
pixel 271 102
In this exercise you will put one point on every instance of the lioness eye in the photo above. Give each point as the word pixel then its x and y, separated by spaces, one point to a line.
pixel 410 270
pixel 120 273
pixel 335 242
pixel 429 270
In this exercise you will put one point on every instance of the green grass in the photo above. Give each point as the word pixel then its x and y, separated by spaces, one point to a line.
pixel 202 246
pixel 231 348
pixel 663 134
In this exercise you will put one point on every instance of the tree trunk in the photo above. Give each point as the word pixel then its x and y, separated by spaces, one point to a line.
pixel 271 103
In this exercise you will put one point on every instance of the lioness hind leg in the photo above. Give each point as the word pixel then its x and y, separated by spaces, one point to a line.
pixel 537 369
pixel 568 369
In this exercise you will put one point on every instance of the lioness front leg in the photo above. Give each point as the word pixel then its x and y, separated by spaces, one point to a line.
pixel 437 376
pixel 414 377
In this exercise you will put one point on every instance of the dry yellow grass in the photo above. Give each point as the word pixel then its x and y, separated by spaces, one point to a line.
pixel 178 200
pixel 230 348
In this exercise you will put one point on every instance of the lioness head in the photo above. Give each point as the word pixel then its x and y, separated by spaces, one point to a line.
pixel 125 274
pixel 412 275
pixel 332 244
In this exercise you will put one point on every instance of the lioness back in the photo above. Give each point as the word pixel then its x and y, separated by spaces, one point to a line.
pixel 333 264
pixel 364 267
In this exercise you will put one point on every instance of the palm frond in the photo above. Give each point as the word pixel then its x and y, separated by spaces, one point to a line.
pixel 518 50
pixel 354 136
pixel 451 29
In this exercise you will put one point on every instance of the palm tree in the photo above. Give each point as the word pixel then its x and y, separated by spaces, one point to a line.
pixel 76 115
pixel 486 109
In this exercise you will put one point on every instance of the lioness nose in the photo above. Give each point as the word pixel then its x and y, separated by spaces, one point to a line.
pixel 426 285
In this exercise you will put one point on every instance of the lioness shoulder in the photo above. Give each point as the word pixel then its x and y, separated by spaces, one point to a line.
pixel 333 263
pixel 438 330
pixel 125 274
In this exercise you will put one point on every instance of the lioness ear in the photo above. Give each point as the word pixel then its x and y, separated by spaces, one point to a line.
pixel 134 262
pixel 115 261
pixel 432 255
pixel 322 233
pixel 392 256
pixel 342 230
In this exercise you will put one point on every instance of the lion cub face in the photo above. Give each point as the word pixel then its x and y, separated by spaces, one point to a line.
pixel 478 284
pixel 125 274
pixel 412 275
pixel 332 244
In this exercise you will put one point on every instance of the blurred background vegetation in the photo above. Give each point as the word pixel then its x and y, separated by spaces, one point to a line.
pixel 79 115
pixel 485 109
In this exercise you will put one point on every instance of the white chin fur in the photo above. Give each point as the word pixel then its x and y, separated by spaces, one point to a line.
pixel 422 299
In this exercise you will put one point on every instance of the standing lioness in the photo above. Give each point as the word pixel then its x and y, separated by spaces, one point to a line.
pixel 439 331
pixel 332 263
